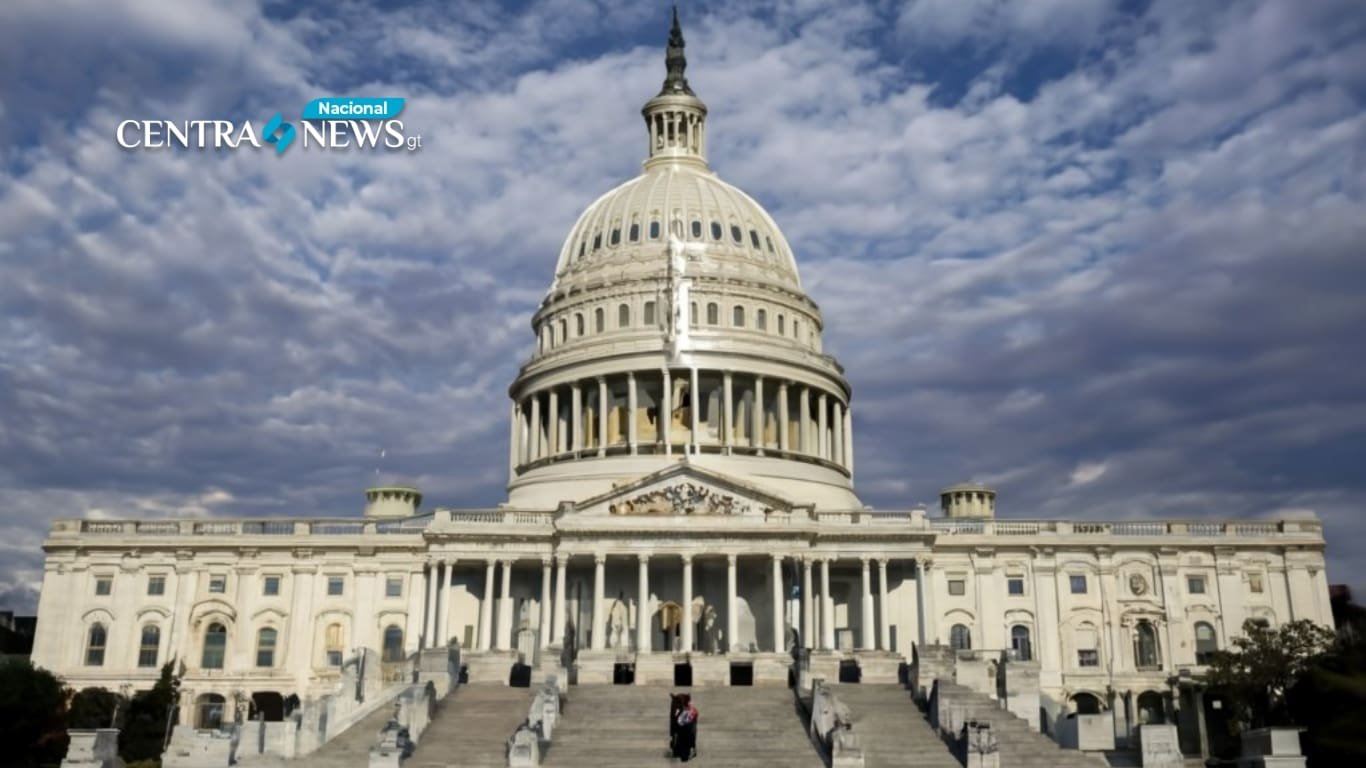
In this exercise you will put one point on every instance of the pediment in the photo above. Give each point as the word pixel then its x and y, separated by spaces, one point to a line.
pixel 683 490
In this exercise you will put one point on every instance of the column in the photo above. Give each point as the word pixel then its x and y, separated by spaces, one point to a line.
pixel 599 620
pixel 631 411
pixel 553 423
pixel 732 619
pixel 513 446
pixel 804 420
pixel 576 416
pixel 757 423
pixel 885 627
pixel 666 410
pixel 535 447
pixel 777 603
pixel 783 444
pixel 849 439
pixel 836 431
pixel 827 608
pixel 486 608
pixel 505 610
pixel 443 635
pixel 694 399
pixel 808 606
pixel 687 604
pixel 602 416
pixel 546 600
pixel 429 626
pixel 557 630
pixel 727 412
pixel 643 607
pixel 867 641
pixel 929 620
pixel 822 439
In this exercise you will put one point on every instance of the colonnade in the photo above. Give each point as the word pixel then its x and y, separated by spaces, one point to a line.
pixel 816 620
pixel 712 411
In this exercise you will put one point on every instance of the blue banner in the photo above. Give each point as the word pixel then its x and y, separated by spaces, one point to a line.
pixel 352 108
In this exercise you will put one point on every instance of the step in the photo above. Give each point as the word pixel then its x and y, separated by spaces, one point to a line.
pixel 472 726
pixel 892 728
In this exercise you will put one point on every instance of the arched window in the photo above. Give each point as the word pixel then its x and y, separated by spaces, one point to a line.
pixel 599 321
pixel 713 314
pixel 634 233
pixel 754 239
pixel 94 646
pixel 1206 643
pixel 796 329
pixel 696 229
pixel 735 234
pixel 1086 704
pixel 1151 708
pixel 960 638
pixel 578 324
pixel 616 236
pixel 215 646
pixel 597 241
pixel 265 647
pixel 393 643
pixel 1019 642
pixel 564 330
pixel 769 241
pixel 335 645
pixel 654 230
pixel 623 316
pixel 782 329
pixel 649 313
pixel 149 645
pixel 692 315
pixel 1145 646
pixel 738 316
pixel 1088 651
pixel 209 712
pixel 716 230
pixel 761 319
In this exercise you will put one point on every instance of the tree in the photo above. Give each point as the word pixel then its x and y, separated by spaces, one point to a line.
pixel 144 728
pixel 96 708
pixel 1263 665
pixel 32 714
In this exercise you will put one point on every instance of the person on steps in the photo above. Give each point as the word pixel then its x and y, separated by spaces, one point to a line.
pixel 685 743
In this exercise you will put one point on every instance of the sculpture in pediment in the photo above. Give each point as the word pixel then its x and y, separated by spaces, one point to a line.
pixel 680 499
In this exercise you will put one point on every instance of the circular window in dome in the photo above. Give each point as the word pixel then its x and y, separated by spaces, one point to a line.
pixel 716 230
pixel 735 234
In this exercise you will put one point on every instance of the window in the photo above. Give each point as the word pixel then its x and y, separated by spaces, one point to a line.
pixel 1262 623
pixel 218 584
pixel 1088 657
pixel 215 646
pixel 1254 583
pixel 781 330
pixel 696 229
pixel 623 316
pixel 616 236
pixel 156 585
pixel 103 586
pixel 1019 642
pixel 210 711
pixel 148 646
pixel 393 643
pixel 735 234
pixel 1206 644
pixel 960 637
pixel 654 230
pixel 1145 646
pixel 692 315
pixel 713 314
pixel 1078 583
pixel 1087 642
pixel 270 586
pixel 336 585
pixel 94 646
pixel 761 319
pixel 738 316
pixel 769 241
pixel 1015 586
pixel 599 320
pixel 334 645
pixel 633 234
pixel 957 587
pixel 797 329
pixel 582 246
pixel 1086 704
pixel 716 230
pixel 578 324
pixel 597 241
pixel 754 239
pixel 1195 585
pixel 649 313
pixel 265 648
pixel 393 586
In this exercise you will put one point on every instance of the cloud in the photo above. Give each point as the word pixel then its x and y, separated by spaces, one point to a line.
pixel 1038 234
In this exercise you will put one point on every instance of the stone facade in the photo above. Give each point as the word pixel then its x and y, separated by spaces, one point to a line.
pixel 681 492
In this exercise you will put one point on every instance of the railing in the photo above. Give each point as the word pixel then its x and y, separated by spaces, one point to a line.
pixel 988 527
pixel 239 527
pixel 500 517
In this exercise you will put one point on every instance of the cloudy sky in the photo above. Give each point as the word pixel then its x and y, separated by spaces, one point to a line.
pixel 1106 256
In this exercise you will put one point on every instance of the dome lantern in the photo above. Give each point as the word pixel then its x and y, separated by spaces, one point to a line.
pixel 676 119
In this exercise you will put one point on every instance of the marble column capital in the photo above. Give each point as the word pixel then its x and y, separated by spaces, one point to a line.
pixel 599 559
pixel 731 557
pixel 643 557
pixel 546 560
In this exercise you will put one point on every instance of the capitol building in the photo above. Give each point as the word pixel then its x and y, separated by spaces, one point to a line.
pixel 681 508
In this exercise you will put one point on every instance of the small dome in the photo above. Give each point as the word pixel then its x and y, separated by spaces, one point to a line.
pixel 625 233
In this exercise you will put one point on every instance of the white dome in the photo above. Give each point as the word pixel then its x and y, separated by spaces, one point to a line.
pixel 624 234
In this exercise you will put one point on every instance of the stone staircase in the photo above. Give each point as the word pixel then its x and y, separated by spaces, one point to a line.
pixel 1021 746
pixel 471 728
pixel 892 728
pixel 351 748
pixel 624 726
